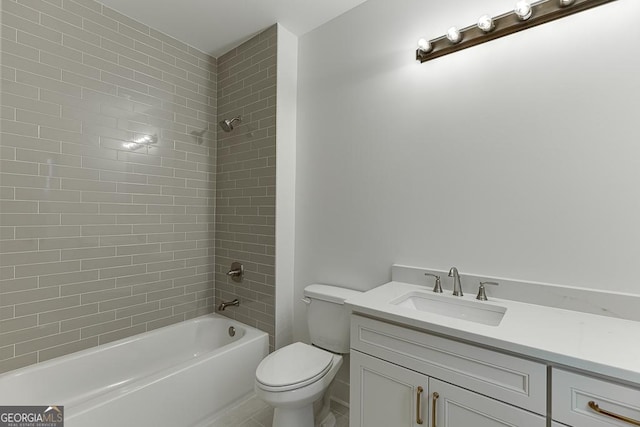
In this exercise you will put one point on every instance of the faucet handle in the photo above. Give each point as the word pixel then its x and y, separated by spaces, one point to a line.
pixel 482 295
pixel 438 287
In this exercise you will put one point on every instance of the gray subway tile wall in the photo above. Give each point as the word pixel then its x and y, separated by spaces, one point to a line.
pixel 245 181
pixel 97 241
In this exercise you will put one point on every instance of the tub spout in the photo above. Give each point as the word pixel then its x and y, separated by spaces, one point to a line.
pixel 224 305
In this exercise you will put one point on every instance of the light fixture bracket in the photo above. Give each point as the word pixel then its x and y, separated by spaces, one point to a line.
pixel 508 23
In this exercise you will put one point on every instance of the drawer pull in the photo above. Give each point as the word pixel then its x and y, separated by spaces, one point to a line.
pixel 593 405
pixel 434 406
pixel 419 405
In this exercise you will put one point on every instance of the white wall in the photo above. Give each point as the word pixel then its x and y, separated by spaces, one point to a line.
pixel 518 158
pixel 285 182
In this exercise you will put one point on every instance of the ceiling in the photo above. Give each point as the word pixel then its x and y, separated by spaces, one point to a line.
pixel 216 26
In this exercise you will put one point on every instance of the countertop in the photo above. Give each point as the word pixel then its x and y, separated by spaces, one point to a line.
pixel 598 344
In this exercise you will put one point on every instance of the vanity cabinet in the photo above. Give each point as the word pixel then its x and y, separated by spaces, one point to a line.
pixel 457 407
pixel 390 395
pixel 395 372
pixel 572 394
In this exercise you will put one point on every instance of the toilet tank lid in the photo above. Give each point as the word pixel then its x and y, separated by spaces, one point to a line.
pixel 329 293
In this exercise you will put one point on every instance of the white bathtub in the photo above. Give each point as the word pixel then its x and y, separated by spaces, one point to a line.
pixel 176 376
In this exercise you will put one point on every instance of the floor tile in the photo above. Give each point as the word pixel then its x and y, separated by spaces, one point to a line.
pixel 253 412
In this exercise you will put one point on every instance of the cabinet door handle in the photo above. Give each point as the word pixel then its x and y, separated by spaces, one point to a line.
pixel 434 406
pixel 419 405
pixel 593 405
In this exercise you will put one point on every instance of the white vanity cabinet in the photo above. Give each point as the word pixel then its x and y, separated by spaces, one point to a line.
pixel 404 377
pixel 583 401
pixel 457 407
pixel 388 394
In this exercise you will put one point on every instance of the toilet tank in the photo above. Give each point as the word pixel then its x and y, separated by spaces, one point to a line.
pixel 327 316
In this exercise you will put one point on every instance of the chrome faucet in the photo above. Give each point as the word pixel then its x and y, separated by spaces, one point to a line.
pixel 457 286
pixel 438 286
pixel 234 303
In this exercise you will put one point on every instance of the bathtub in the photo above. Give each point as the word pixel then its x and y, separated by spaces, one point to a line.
pixel 176 376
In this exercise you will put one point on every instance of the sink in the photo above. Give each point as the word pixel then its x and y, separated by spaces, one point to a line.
pixel 455 307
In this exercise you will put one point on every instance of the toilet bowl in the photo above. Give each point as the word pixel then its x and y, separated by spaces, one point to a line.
pixel 293 377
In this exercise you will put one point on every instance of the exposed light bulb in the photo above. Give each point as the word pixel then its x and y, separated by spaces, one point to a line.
pixel 424 46
pixel 485 23
pixel 523 10
pixel 565 3
pixel 454 35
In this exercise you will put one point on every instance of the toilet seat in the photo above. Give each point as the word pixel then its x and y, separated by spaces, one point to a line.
pixel 292 367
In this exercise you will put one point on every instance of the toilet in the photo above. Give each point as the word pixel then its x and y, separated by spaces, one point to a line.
pixel 293 377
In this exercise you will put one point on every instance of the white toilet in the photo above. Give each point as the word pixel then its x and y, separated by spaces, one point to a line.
pixel 293 377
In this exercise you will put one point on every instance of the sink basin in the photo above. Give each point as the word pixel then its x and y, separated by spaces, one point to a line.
pixel 479 312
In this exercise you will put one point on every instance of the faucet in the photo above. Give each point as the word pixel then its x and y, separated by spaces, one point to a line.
pixel 438 287
pixel 223 305
pixel 237 272
pixel 457 286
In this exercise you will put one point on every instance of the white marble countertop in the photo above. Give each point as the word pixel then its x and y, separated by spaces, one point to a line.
pixel 598 344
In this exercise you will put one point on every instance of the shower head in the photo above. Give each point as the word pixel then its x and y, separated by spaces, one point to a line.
pixel 227 125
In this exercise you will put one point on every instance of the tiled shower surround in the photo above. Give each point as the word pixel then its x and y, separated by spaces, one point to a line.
pixel 245 180
pixel 102 237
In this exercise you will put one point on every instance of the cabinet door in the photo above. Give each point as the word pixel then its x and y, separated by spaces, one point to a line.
pixel 386 395
pixel 457 407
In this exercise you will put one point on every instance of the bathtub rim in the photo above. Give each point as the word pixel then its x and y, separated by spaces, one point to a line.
pixel 250 333
pixel 80 407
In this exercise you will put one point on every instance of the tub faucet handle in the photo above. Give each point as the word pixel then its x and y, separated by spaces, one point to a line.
pixel 438 286
pixel 237 272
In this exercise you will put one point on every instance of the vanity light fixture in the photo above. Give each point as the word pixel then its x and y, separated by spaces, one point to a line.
pixel 524 15
pixel 523 10
pixel 424 46
pixel 486 24
pixel 454 35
